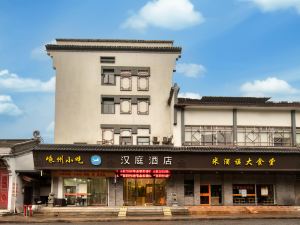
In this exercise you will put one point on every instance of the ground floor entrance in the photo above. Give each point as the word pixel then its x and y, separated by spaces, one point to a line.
pixel 144 191
pixel 3 188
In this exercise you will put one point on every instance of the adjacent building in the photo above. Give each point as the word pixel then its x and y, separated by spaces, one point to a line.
pixel 124 137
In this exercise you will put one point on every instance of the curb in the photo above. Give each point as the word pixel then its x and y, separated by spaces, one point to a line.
pixel 188 218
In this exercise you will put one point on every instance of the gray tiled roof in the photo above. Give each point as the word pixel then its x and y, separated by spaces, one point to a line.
pixel 83 47
pixel 234 101
pixel 166 148
pixel 113 40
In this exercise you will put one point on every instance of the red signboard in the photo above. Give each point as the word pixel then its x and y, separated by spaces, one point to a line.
pixel 3 189
pixel 144 173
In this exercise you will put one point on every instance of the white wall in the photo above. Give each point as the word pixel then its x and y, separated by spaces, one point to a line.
pixel 221 117
pixel 298 119
pixel 263 118
pixel 78 91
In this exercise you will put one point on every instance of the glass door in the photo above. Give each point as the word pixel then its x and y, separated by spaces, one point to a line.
pixel 205 194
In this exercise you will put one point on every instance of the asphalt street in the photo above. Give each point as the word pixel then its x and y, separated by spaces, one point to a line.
pixel 202 222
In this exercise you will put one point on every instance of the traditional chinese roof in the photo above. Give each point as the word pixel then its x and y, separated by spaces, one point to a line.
pixel 234 101
pixel 166 148
pixel 15 146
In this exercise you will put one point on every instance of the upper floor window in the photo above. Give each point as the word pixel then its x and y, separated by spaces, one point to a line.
pixel 143 106
pixel 125 80
pixel 143 80
pixel 108 106
pixel 108 77
pixel 298 135
pixel 107 137
pixel 107 59
pixel 143 140
pixel 125 106
pixel 125 137
pixel 264 136
pixel 208 135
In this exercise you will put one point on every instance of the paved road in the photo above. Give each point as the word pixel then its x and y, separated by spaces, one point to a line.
pixel 202 222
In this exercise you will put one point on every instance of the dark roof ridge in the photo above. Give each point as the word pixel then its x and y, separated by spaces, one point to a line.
pixel 113 48
pixel 114 40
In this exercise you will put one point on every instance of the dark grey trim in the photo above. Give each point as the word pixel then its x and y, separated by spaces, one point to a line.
pixel 117 69
pixel 293 125
pixel 113 40
pixel 182 123
pixel 134 98
pixel 175 115
pixel 234 128
pixel 117 127
pixel 107 59
pixel 60 47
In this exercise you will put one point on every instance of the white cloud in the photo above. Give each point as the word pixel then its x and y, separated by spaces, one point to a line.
pixel 50 127
pixel 11 81
pixel 190 69
pixel 7 106
pixel 39 52
pixel 169 14
pixel 192 95
pixel 270 85
pixel 273 5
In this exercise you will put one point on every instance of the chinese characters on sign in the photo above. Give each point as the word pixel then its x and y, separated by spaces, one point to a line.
pixel 249 162
pixel 144 160
pixel 62 159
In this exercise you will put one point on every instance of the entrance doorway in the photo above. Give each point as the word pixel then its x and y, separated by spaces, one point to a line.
pixel 144 191
pixel 3 188
pixel 210 194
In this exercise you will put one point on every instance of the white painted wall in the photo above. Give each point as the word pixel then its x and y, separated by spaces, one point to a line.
pixel 200 116
pixel 263 118
pixel 78 90
pixel 298 119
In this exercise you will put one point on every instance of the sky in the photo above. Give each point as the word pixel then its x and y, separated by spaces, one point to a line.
pixel 230 48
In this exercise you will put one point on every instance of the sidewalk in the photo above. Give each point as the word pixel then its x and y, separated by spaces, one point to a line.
pixel 196 213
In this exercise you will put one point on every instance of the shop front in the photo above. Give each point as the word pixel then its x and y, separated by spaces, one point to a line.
pixel 115 176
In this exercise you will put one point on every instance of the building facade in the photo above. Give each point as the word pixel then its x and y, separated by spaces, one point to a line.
pixel 123 137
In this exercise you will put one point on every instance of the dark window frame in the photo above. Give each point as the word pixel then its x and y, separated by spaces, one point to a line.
pixel 137 140
pixel 189 187
pixel 109 72
pixel 107 59
pixel 103 106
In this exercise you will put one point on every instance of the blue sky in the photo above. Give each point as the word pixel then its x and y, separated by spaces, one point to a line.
pixel 230 48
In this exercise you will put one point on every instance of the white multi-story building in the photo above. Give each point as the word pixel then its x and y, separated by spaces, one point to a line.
pixel 123 137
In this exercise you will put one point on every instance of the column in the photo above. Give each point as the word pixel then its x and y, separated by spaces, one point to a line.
pixel 227 187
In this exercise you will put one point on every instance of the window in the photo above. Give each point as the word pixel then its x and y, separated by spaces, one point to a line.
pixel 189 187
pixel 143 106
pixel 108 106
pixel 107 59
pixel 125 80
pixel 264 136
pixel 108 77
pixel 298 136
pixel 125 106
pixel 208 135
pixel 107 137
pixel 143 80
pixel 125 137
pixel 143 140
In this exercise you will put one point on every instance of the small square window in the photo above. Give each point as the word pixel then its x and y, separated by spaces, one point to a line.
pixel 108 77
pixel 143 107
pixel 108 106
pixel 125 80
pixel 125 106
pixel 143 140
pixel 143 80
pixel 125 140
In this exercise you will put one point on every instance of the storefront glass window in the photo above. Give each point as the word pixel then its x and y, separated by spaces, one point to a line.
pixel 265 194
pixel 243 194
pixel 85 191
pixel 144 192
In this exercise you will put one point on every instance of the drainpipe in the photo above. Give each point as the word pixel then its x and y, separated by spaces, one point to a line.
pixel 15 192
